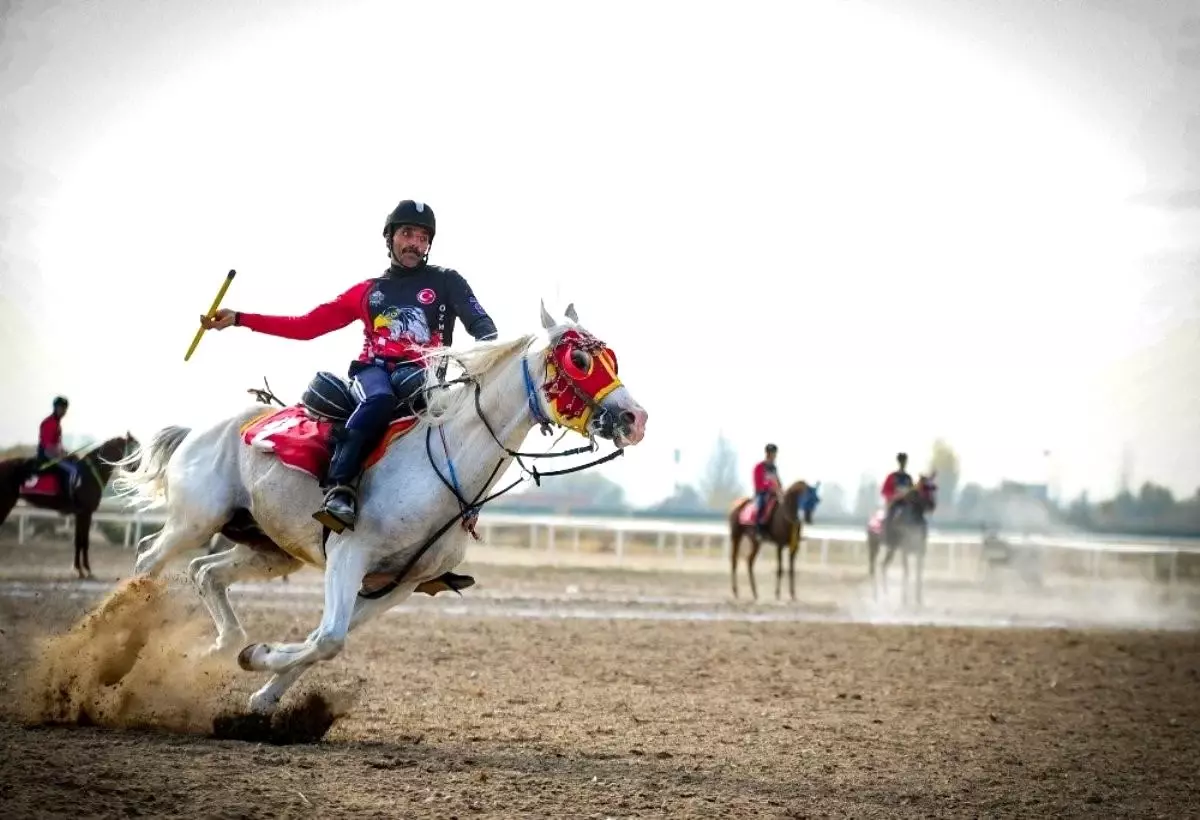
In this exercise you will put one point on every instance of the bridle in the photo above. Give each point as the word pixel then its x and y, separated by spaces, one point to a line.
pixel 469 510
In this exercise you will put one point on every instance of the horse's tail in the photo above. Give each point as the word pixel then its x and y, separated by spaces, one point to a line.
pixel 142 475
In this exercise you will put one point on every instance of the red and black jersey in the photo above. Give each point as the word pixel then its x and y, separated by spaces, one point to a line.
pixel 49 438
pixel 403 312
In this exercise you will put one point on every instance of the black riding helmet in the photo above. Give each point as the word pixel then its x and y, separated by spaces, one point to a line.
pixel 410 212
pixel 60 401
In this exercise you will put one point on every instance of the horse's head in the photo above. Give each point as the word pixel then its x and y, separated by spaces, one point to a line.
pixel 926 490
pixel 118 448
pixel 582 391
pixel 803 499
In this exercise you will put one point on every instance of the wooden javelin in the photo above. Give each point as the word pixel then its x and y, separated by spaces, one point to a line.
pixel 216 304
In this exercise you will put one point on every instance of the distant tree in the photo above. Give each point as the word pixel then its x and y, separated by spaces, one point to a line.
pixel 18 451
pixel 972 503
pixel 866 499
pixel 685 499
pixel 721 485
pixel 833 499
pixel 577 491
pixel 945 461
pixel 1154 503
pixel 1079 513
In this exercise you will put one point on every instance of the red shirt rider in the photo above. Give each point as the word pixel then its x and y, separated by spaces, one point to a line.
pixel 766 481
pixel 50 432
pixel 49 438
pixel 897 481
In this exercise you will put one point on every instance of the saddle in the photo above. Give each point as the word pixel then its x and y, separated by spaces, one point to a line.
pixel 47 482
pixel 748 515
pixel 42 485
pixel 301 435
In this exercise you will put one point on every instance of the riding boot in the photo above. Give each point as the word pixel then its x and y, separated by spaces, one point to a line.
pixel 339 511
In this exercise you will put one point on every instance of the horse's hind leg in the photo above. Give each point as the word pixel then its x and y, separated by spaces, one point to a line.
pixel 888 555
pixel 778 570
pixel 735 541
pixel 792 571
pixel 83 534
pixel 755 545
pixel 920 573
pixel 212 575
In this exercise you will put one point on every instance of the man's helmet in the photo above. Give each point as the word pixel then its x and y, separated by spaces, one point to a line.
pixel 901 456
pixel 60 401
pixel 771 448
pixel 410 212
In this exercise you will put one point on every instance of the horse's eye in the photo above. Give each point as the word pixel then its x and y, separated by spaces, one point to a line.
pixel 581 359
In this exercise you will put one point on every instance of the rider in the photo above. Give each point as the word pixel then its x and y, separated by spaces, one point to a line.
pixel 895 485
pixel 408 309
pixel 50 453
pixel 766 484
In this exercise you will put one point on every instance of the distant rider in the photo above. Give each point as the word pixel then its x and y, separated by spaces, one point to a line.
pixel 50 452
pixel 766 485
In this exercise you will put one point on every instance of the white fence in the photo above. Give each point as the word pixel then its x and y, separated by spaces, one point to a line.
pixel 554 533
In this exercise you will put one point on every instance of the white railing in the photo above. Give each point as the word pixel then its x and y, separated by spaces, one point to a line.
pixel 546 532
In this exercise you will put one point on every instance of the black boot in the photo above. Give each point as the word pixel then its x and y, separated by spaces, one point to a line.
pixel 339 511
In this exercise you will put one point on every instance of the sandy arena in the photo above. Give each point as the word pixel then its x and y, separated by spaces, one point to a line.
pixel 583 692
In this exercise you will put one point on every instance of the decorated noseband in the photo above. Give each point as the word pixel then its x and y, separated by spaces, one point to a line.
pixel 580 372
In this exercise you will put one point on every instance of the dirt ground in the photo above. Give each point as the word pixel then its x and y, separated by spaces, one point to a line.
pixel 572 693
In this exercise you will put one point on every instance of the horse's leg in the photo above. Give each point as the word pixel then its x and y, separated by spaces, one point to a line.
pixel 920 571
pixel 755 544
pixel 344 570
pixel 83 530
pixel 212 574
pixel 266 699
pixel 904 563
pixel 888 554
pixel 872 555
pixel 778 570
pixel 182 532
pixel 735 539
pixel 792 569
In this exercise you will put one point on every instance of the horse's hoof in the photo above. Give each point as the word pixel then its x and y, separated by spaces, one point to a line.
pixel 220 648
pixel 245 658
pixel 261 704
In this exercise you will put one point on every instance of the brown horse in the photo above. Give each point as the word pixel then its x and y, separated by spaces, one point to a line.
pixel 95 467
pixel 907 531
pixel 783 528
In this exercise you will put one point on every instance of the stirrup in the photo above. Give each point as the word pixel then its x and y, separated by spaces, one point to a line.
pixel 337 523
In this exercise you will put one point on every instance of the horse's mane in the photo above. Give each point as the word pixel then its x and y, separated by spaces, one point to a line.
pixel 796 487
pixel 447 403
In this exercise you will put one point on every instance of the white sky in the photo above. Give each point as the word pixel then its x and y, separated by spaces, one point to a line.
pixel 829 226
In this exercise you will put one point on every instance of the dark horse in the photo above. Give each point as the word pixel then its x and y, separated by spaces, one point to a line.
pixel 95 467
pixel 907 530
pixel 783 528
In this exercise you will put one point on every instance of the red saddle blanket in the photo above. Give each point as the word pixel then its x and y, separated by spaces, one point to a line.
pixel 43 485
pixel 875 525
pixel 304 443
pixel 748 514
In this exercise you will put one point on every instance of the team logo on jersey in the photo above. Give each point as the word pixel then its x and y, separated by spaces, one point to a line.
pixel 376 298
pixel 426 296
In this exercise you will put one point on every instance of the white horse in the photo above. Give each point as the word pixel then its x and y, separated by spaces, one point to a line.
pixel 409 507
